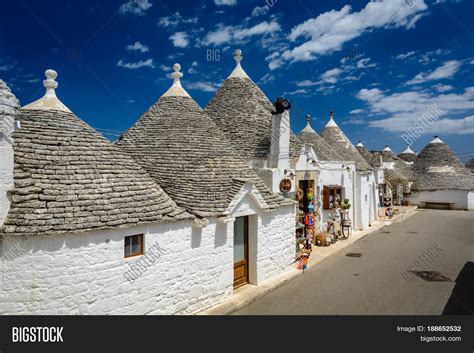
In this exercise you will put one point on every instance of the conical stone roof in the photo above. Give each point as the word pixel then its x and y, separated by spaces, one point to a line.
pixel 337 140
pixel 8 107
pixel 189 156
pixel 438 168
pixel 323 151
pixel 68 178
pixel 364 152
pixel 243 113
pixel 470 164
pixel 408 155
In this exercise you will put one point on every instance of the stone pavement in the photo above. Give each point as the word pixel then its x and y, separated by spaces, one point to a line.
pixel 249 293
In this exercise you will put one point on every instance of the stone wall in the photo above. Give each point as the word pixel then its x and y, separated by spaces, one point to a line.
pixel 87 273
pixel 8 106
pixel 461 199
pixel 184 270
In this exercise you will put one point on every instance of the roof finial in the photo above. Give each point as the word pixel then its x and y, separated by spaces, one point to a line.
pixel 176 74
pixel 176 89
pixel 331 122
pixel 436 140
pixel 50 83
pixel 387 149
pixel 49 101
pixel 238 56
pixel 359 144
pixel 238 71
pixel 308 127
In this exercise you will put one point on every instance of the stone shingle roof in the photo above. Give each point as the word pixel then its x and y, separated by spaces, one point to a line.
pixel 323 151
pixel 68 178
pixel 189 156
pixel 339 142
pixel 438 168
pixel 8 106
pixel 470 164
pixel 364 152
pixel 243 112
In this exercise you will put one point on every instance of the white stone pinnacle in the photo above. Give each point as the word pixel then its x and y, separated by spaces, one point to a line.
pixel 49 101
pixel 331 122
pixel 238 71
pixel 176 89
pixel 387 149
pixel 408 150
pixel 360 144
pixel 436 140
pixel 308 127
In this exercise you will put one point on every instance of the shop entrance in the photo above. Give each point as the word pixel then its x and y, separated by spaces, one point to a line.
pixel 305 185
pixel 241 251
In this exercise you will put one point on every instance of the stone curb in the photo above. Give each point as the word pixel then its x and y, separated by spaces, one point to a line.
pixel 245 296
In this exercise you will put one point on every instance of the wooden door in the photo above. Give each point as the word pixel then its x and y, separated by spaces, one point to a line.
pixel 241 251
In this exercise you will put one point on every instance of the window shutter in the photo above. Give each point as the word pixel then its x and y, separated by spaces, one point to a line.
pixel 326 198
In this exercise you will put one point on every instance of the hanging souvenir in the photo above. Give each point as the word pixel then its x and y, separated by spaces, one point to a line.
pixel 311 207
pixel 299 194
pixel 310 194
pixel 309 220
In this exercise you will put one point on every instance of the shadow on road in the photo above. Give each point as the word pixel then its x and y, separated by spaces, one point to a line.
pixel 461 301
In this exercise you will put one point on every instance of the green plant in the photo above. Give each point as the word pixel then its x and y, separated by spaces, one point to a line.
pixel 345 205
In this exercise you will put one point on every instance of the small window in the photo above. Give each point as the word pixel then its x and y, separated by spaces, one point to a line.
pixel 332 197
pixel 133 245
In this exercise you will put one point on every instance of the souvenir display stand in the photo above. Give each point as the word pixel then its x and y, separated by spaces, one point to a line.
pixel 307 222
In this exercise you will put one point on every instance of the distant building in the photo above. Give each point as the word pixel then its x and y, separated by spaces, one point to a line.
pixel 441 179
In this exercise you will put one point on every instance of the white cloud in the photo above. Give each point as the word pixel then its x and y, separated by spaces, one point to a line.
pixel 442 88
pixel 295 92
pixel 165 68
pixel 306 83
pixel 267 78
pixel 432 56
pixel 136 7
pixel 203 86
pixel 192 68
pixel 180 39
pixel 225 2
pixel 405 55
pixel 137 46
pixel 364 63
pixel 403 109
pixel 330 30
pixel 136 65
pixel 6 66
pixel 175 19
pixel 447 70
pixel 357 111
pixel 260 10
pixel 239 34
pixel 330 76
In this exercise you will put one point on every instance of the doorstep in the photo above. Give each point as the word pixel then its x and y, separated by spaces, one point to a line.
pixel 249 293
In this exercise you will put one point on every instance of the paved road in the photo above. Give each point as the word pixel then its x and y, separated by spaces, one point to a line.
pixel 377 281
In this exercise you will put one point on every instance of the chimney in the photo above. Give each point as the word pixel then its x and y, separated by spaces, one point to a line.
pixel 280 141
pixel 8 108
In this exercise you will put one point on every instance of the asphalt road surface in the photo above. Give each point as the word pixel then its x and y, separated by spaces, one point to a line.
pixel 379 282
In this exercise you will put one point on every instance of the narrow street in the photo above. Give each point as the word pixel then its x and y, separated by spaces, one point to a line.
pixel 378 282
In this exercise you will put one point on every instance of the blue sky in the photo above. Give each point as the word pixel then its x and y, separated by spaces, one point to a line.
pixel 379 65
